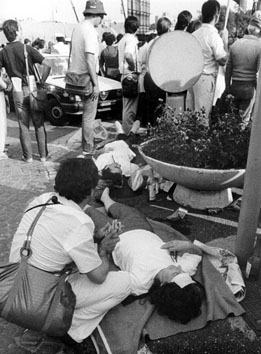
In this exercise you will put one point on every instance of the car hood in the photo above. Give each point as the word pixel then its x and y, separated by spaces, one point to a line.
pixel 105 84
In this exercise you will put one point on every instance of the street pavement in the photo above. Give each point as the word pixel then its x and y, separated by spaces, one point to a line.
pixel 20 182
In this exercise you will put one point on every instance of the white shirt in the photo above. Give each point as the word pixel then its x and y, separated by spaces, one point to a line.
pixel 139 253
pixel 84 40
pixel 212 47
pixel 62 48
pixel 117 151
pixel 128 44
pixel 64 233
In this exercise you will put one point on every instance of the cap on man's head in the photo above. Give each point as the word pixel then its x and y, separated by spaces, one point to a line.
pixel 94 7
pixel 255 21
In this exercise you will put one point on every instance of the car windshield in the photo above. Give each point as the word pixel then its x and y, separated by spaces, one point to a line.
pixel 58 64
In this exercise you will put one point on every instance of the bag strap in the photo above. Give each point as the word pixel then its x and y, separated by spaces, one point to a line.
pixel 26 249
pixel 70 53
pixel 27 66
pixel 54 200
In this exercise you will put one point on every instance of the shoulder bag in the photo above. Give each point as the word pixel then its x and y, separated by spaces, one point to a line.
pixel 77 84
pixel 33 298
pixel 130 83
pixel 37 94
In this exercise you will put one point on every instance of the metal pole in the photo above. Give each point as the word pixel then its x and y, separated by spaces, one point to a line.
pixel 227 14
pixel 74 11
pixel 250 208
pixel 123 9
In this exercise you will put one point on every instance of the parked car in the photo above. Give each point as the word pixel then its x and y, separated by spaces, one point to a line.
pixel 60 104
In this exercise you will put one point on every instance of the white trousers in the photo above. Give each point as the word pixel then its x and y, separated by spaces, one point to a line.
pixel 2 121
pixel 93 301
pixel 202 94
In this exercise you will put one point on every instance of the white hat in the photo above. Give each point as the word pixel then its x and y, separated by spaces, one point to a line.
pixel 182 280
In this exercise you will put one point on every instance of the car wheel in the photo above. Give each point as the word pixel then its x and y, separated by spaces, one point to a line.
pixel 55 113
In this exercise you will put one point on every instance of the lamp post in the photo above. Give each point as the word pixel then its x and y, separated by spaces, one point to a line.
pixel 250 208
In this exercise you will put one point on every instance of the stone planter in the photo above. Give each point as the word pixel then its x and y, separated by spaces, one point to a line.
pixel 197 178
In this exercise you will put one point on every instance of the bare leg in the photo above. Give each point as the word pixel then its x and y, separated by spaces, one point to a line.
pixel 130 217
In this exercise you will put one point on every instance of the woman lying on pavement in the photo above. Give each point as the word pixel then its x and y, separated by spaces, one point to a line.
pixel 153 270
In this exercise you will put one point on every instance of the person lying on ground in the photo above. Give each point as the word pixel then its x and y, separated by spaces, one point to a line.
pixel 152 268
pixel 114 158
pixel 64 234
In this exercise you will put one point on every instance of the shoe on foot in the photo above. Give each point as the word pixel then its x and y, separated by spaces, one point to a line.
pixel 99 189
pixel 135 127
pixel 29 160
pixel 118 127
pixel 43 159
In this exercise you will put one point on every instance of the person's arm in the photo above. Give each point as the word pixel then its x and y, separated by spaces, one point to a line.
pixel 105 248
pixel 99 274
pixel 222 61
pixel 46 71
pixel 182 246
pixel 102 63
pixel 130 61
pixel 224 36
pixel 91 65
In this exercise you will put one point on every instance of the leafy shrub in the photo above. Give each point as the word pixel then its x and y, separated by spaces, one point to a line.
pixel 184 140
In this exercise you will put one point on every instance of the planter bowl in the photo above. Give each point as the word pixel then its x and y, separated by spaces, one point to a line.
pixel 197 178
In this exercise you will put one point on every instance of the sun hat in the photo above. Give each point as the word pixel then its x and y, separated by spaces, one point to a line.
pixel 94 7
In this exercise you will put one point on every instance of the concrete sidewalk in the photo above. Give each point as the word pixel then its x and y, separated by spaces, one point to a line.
pixel 19 182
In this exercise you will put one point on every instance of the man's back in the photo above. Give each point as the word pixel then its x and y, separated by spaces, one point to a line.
pixel 84 40
pixel 211 45
pixel 244 58
pixel 13 59
pixel 110 57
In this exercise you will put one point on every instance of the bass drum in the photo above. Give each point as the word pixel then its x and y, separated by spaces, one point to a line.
pixel 175 61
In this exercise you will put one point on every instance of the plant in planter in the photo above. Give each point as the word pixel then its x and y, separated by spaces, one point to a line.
pixel 184 140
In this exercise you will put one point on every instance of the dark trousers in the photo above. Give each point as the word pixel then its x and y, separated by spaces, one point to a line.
pixel 131 218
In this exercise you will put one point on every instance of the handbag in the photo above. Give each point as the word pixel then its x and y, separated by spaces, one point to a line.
pixel 37 93
pixel 34 298
pixel 130 85
pixel 77 84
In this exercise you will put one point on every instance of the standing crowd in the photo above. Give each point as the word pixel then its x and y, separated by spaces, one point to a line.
pixel 224 72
